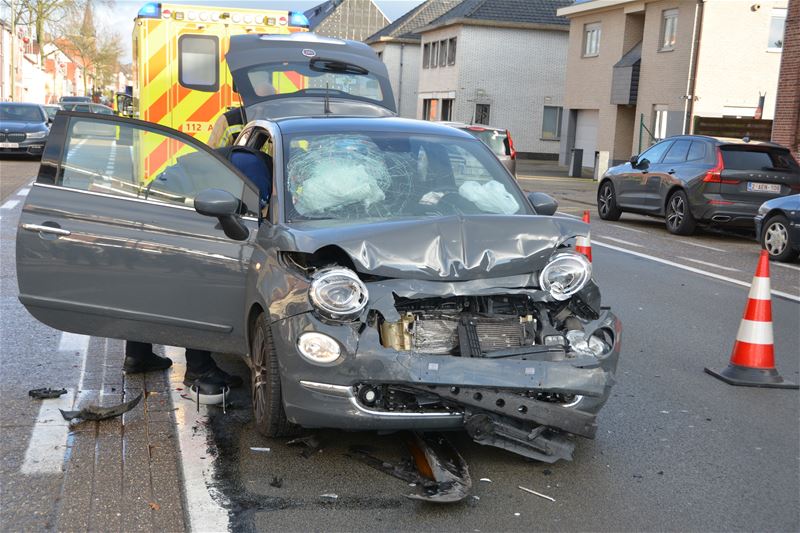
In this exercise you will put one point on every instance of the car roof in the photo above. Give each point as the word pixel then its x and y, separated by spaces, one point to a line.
pixel 463 125
pixel 322 124
pixel 725 140
pixel 26 104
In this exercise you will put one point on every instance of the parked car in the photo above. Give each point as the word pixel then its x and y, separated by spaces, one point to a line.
pixel 778 227
pixel 51 110
pixel 498 139
pixel 89 108
pixel 23 128
pixel 381 282
pixel 74 99
pixel 691 179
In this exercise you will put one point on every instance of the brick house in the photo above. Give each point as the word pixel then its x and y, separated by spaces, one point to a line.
pixel 500 63
pixel 786 125
pixel 346 19
pixel 659 64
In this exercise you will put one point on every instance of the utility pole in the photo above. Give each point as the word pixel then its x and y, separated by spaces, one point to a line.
pixel 13 48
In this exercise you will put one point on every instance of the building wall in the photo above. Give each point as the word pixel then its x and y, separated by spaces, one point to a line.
pixel 786 125
pixel 735 66
pixel 402 62
pixel 353 19
pixel 515 71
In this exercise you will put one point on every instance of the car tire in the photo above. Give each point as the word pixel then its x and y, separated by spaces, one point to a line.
pixel 265 384
pixel 607 206
pixel 776 239
pixel 679 218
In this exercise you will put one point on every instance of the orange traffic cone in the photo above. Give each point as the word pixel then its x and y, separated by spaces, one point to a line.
pixel 583 245
pixel 753 358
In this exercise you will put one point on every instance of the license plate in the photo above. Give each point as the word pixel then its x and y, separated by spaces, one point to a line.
pixel 9 145
pixel 763 187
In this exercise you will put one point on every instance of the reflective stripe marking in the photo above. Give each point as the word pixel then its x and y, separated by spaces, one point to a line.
pixel 760 289
pixel 753 355
pixel 754 332
pixel 758 310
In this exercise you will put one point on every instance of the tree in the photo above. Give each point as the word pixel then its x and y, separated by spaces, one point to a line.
pixel 43 16
pixel 97 56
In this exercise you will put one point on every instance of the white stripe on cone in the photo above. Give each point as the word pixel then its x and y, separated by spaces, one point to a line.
pixel 755 332
pixel 760 289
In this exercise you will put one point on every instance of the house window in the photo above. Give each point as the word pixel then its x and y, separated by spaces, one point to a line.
pixel 442 53
pixel 426 55
pixel 434 54
pixel 669 29
pixel 551 123
pixel 451 52
pixel 429 108
pixel 659 122
pixel 776 26
pixel 482 114
pixel 447 109
pixel 591 40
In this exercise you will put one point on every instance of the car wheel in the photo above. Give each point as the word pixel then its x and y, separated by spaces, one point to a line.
pixel 680 220
pixel 776 240
pixel 265 384
pixel 607 206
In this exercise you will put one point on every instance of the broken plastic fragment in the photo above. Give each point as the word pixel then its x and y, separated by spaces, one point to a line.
pixel 256 449
pixel 46 393
pixel 539 494
pixel 486 480
pixel 330 497
pixel 95 412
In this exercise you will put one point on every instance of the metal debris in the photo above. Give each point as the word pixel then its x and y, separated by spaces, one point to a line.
pixel 257 449
pixel 329 497
pixel 95 412
pixel 311 443
pixel 486 480
pixel 46 393
pixel 539 494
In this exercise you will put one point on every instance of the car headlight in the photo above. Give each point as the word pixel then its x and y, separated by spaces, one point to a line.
pixel 565 274
pixel 337 293
pixel 37 135
pixel 318 347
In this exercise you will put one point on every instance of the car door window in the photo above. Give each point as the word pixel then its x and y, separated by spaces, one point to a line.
pixel 696 151
pixel 677 152
pixel 131 160
pixel 654 153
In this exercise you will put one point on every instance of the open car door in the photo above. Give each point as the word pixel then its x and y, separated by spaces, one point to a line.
pixel 109 242
pixel 303 74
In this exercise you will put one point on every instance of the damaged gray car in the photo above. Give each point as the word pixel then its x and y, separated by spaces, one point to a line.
pixel 391 274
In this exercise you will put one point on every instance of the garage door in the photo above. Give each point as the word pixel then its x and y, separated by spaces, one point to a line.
pixel 586 135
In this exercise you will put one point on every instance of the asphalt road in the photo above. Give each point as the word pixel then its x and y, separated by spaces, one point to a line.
pixel 676 449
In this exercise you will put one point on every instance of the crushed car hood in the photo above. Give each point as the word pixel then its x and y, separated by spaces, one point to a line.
pixel 438 249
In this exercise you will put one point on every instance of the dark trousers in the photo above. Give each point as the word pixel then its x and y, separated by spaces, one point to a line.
pixel 196 360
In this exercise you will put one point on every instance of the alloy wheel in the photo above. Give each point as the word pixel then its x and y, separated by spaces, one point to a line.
pixel 606 197
pixel 677 210
pixel 259 376
pixel 776 238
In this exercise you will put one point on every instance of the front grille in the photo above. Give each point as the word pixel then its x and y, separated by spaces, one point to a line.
pixel 438 333
pixel 15 137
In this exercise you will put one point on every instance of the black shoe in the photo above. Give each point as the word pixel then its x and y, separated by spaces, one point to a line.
pixel 213 374
pixel 148 363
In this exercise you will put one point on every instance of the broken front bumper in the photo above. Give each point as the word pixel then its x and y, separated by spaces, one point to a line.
pixel 318 395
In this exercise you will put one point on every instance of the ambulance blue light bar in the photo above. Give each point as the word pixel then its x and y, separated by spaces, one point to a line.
pixel 151 10
pixel 298 20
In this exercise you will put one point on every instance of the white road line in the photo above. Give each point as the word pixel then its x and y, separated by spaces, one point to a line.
pixel 72 342
pixel 627 228
pixel 206 506
pixel 793 297
pixel 709 264
pixel 49 436
pixel 568 215
pixel 23 191
pixel 622 242
pixel 10 204
pixel 785 265
pixel 707 247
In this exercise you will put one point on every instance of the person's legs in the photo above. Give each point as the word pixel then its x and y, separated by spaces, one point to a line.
pixel 139 357
pixel 200 365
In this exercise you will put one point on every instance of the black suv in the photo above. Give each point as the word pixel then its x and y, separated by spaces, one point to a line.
pixel 691 179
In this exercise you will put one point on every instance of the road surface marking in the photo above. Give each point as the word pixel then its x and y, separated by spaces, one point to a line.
pixel 627 228
pixel 792 297
pixel 49 434
pixel 785 265
pixel 622 242
pixel 10 204
pixel 24 191
pixel 709 264
pixel 568 215
pixel 548 178
pixel 206 505
pixel 707 247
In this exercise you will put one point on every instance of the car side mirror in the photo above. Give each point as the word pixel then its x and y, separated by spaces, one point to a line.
pixel 225 207
pixel 542 203
pixel 634 161
pixel 643 164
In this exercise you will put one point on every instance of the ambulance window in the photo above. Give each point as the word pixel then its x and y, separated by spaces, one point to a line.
pixel 198 62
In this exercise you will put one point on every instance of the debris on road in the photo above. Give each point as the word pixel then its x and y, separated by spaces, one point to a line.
pixel 486 480
pixel 539 494
pixel 311 443
pixel 257 449
pixel 96 412
pixel 435 468
pixel 276 482
pixel 330 497
pixel 46 393
pixel 154 506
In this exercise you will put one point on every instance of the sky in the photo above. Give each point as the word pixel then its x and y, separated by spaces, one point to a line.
pixel 120 14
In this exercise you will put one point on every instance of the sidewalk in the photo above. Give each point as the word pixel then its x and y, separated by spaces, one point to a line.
pixel 551 178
